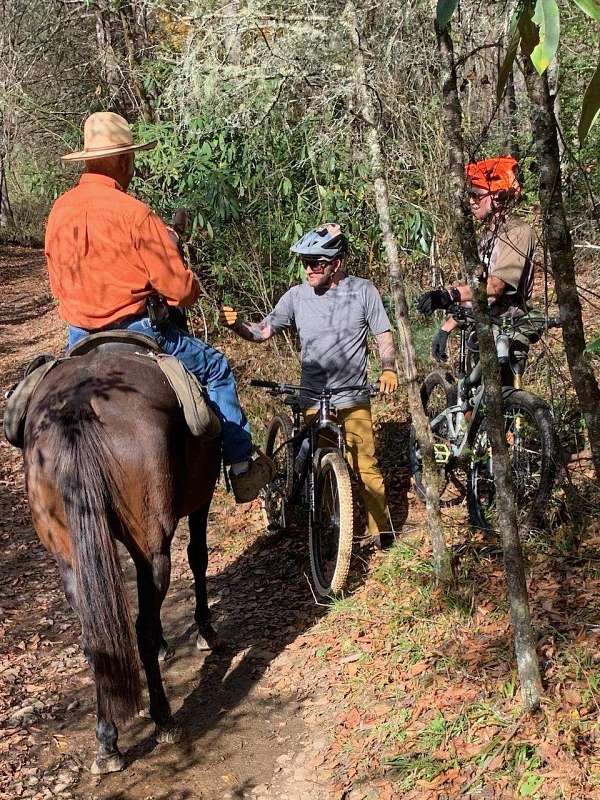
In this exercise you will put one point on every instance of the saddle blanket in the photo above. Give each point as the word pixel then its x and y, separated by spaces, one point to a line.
pixel 200 418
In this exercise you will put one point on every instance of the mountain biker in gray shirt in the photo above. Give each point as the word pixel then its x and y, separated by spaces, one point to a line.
pixel 333 314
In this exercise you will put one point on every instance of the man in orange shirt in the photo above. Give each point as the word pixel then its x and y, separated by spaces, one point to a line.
pixel 107 253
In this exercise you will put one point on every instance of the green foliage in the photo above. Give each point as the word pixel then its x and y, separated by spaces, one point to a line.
pixel 590 106
pixel 253 192
pixel 589 7
pixel 547 18
pixel 538 32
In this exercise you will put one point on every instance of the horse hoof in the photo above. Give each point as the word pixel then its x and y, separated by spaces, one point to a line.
pixel 104 766
pixel 208 639
pixel 170 735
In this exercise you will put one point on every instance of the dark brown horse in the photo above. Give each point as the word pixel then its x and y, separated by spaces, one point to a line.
pixel 108 457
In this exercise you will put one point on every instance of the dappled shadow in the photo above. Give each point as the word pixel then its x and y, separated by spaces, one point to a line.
pixel 393 453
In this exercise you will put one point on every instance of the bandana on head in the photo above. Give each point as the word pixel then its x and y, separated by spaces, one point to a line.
pixel 494 174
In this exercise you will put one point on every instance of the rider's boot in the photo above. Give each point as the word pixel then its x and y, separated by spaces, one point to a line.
pixel 246 485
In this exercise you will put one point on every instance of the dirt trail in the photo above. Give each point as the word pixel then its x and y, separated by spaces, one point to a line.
pixel 244 711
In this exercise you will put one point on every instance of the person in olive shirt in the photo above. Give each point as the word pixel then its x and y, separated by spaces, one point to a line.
pixel 506 247
pixel 333 313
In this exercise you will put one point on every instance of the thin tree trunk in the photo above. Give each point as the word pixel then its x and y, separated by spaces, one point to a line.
pixel 524 638
pixel 442 561
pixel 560 246
pixel 513 122
pixel 131 42
pixel 6 213
pixel 110 71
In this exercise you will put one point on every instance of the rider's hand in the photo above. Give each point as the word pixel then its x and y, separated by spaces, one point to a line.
pixel 388 382
pixel 439 345
pixel 228 316
pixel 437 298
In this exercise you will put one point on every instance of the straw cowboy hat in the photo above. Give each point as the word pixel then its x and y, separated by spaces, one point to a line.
pixel 106 134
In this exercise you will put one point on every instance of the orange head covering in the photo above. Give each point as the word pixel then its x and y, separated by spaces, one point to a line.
pixel 494 174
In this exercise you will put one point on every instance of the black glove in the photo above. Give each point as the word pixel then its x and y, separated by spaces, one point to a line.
pixel 438 298
pixel 439 345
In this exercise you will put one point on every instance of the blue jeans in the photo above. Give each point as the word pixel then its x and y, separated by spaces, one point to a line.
pixel 212 370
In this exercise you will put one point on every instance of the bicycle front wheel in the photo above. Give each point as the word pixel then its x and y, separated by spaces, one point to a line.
pixel 331 528
pixel 275 496
pixel 533 454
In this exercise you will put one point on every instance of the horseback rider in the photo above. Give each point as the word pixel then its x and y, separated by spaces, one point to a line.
pixel 506 247
pixel 108 254
pixel 333 313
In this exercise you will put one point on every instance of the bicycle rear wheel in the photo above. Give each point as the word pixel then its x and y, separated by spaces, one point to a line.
pixel 533 453
pixel 276 494
pixel 331 529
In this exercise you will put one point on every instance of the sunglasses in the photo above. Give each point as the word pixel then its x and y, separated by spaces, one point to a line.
pixel 476 198
pixel 317 265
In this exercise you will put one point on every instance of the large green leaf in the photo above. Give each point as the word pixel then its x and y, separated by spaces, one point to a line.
pixel 589 7
pixel 547 18
pixel 590 106
pixel 514 37
pixel 445 9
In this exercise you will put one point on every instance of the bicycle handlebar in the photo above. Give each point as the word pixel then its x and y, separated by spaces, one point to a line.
pixel 265 384
pixel 459 312
pixel 287 388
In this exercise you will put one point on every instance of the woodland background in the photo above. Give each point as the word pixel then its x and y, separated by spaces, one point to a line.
pixel 254 108
pixel 262 134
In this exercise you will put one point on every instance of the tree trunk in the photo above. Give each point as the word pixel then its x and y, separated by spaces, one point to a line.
pixel 110 71
pixel 442 561
pixel 513 122
pixel 131 40
pixel 524 638
pixel 6 214
pixel 560 246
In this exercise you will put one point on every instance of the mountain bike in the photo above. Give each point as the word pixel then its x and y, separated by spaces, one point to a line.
pixel 457 416
pixel 310 468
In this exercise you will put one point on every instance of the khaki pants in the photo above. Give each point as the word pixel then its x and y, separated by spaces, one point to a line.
pixel 360 454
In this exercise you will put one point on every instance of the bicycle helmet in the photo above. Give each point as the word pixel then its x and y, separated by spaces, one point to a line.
pixel 326 242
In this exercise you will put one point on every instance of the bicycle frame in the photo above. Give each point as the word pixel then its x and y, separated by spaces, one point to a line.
pixel 310 433
pixel 459 418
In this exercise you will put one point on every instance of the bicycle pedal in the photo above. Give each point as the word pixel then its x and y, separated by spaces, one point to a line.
pixel 441 453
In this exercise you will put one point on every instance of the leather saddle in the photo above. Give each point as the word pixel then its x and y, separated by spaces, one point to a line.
pixel 113 341
pixel 200 418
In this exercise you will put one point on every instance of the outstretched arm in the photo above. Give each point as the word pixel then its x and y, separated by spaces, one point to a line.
pixel 281 317
pixel 251 331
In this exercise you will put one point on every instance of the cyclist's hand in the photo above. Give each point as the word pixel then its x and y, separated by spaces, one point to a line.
pixel 431 301
pixel 439 345
pixel 388 382
pixel 228 316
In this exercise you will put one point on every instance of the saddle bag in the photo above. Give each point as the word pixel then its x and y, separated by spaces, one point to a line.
pixel 19 397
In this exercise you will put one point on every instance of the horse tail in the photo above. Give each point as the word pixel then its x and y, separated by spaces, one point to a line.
pixel 91 504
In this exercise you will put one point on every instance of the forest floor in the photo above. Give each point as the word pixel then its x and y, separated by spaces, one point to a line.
pixel 400 690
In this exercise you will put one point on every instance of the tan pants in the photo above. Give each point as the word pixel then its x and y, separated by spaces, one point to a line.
pixel 360 454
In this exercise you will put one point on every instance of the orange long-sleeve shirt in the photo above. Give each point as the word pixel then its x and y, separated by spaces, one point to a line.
pixel 107 251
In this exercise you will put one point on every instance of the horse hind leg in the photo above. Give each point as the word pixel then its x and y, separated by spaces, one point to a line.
pixel 207 638
pixel 153 582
